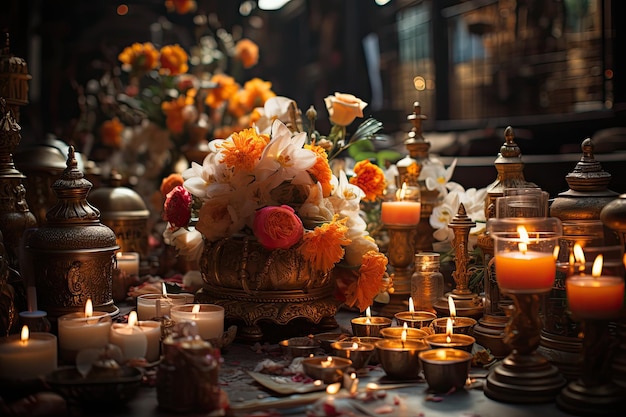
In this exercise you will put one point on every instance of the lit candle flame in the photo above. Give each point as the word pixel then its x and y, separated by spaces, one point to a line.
pixel 555 252
pixel 195 310
pixel 452 307
pixel 355 345
pixel 405 326
pixel 403 336
pixel 132 318
pixel 411 305
pixel 164 289
pixel 449 330
pixel 402 191
pixel 333 388
pixel 24 336
pixel 596 269
pixel 328 362
pixel 88 308
pixel 440 354
pixel 524 240
pixel 579 256
pixel 368 315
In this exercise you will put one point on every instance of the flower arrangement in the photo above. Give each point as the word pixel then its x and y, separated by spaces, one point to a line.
pixel 274 181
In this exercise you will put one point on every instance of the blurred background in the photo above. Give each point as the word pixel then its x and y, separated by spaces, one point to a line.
pixel 552 69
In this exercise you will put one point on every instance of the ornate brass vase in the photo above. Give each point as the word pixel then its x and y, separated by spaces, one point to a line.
pixel 74 251
pixel 254 284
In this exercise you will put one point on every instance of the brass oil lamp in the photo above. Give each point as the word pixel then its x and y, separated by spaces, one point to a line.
pixel 579 209
pixel 75 252
pixel 489 332
pixel 125 212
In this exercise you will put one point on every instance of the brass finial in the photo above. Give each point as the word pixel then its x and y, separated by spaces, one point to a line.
pixel 416 120
pixel 588 174
pixel 510 149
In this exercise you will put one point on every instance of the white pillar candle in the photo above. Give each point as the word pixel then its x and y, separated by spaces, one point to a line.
pixel 130 339
pixel 78 331
pixel 128 262
pixel 208 317
pixel 27 356
pixel 152 330
pixel 150 306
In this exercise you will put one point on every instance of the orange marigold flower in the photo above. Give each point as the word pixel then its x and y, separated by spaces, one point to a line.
pixel 181 6
pixel 321 169
pixel 369 178
pixel 255 93
pixel 225 89
pixel 111 133
pixel 173 60
pixel 370 281
pixel 323 246
pixel 168 183
pixel 247 52
pixel 244 149
pixel 173 110
pixel 139 57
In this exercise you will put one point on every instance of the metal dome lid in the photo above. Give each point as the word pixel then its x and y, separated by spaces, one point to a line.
pixel 118 202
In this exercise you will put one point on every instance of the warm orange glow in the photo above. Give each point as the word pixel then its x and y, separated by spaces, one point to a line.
pixel 88 308
pixel 596 269
pixel 368 314
pixel 403 336
pixel 164 289
pixel 441 354
pixel 327 363
pixel 411 305
pixel 355 345
pixel 122 10
pixel 333 388
pixel 24 336
pixel 555 252
pixel 195 310
pixel 452 307
pixel 579 254
pixel 449 330
pixel 523 235
pixel 132 318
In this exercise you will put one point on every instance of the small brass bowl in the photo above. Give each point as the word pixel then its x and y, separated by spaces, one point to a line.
pixel 358 352
pixel 400 360
pixel 417 319
pixel 327 369
pixel 369 326
pixel 327 339
pixel 446 368
pixel 396 333
pixel 374 360
pixel 297 347
pixel 460 325
pixel 457 341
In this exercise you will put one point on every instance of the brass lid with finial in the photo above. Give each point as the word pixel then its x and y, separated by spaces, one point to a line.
pixel 410 166
pixel 118 202
pixel 588 192
pixel 14 78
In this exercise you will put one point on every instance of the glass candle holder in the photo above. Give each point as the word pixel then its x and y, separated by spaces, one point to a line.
pixel 208 317
pixel 525 267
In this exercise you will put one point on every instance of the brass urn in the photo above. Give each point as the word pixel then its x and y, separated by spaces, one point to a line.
pixel 74 251
pixel 125 212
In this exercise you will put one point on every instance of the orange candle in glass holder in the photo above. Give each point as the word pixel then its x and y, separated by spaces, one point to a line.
pixel 595 296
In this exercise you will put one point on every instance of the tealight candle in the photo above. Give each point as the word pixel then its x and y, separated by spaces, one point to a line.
pixel 414 319
pixel 152 330
pixel 358 352
pixel 400 357
pixel 132 341
pixel 208 317
pixel 27 355
pixel 595 296
pixel 329 370
pixel 150 306
pixel 450 339
pixel 369 326
pixel 78 331
pixel 404 213
pixel 397 331
pixel 445 369
pixel 460 325
pixel 128 262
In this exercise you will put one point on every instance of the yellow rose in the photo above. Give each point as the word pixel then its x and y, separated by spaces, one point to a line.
pixel 344 108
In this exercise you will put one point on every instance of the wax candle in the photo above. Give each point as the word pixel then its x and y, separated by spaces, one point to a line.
pixel 208 317
pixel 130 339
pixel 128 262
pixel 78 331
pixel 27 355
pixel 449 339
pixel 399 358
pixel 404 213
pixel 152 330
pixel 358 352
pixel 369 326
pixel 595 296
pixel 150 306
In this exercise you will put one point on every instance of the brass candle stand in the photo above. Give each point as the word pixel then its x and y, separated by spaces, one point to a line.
pixel 594 393
pixel 466 303
pixel 401 254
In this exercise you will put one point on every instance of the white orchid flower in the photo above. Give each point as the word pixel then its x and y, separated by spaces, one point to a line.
pixel 274 108
pixel 437 177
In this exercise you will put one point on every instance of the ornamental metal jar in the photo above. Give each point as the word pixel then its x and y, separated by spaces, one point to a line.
pixel 124 211
pixel 74 252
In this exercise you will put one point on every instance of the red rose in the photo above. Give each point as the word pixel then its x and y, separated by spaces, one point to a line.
pixel 277 227
pixel 177 207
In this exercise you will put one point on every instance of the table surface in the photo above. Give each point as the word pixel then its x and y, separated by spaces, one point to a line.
pixel 247 396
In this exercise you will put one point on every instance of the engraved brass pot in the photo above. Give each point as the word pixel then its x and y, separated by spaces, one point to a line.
pixel 255 284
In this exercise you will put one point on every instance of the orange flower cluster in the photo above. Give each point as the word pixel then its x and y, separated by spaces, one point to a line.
pixel 323 246
pixel 370 281
pixel 181 6
pixel 370 178
pixel 245 149
pixel 111 133
pixel 247 52
pixel 139 57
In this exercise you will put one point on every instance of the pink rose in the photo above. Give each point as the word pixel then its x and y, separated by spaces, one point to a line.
pixel 277 227
pixel 177 207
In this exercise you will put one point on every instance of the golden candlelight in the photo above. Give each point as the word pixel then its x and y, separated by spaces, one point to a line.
pixel 579 256
pixel 132 319
pixel 355 345
pixel 445 369
pixel 88 308
pixel 327 363
pixel 452 308
pixel 24 334
pixel 450 340
pixel 195 310
pixel 449 331
pixel 333 388
pixel 524 240
pixel 596 269
pixel 329 370
pixel 411 305
pixel 368 315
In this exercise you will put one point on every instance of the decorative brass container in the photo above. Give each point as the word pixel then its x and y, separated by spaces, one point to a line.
pixel 14 79
pixel 254 284
pixel 74 251
pixel 489 331
pixel 124 211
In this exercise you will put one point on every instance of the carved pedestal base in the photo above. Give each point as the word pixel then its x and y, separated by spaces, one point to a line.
pixel 602 400
pixel 489 333
pixel 278 307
